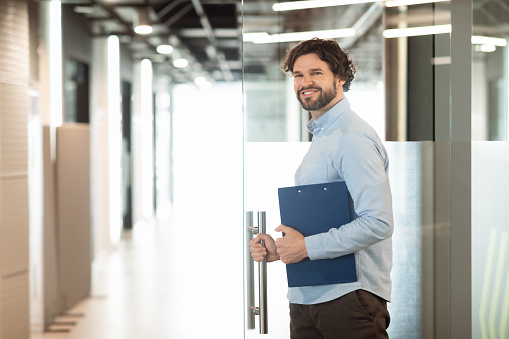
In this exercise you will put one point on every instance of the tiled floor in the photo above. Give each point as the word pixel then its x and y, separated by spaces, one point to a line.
pixel 127 299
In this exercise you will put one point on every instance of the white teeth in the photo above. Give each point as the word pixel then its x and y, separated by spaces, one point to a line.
pixel 308 92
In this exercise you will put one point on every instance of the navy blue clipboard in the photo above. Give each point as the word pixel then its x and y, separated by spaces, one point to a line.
pixel 313 209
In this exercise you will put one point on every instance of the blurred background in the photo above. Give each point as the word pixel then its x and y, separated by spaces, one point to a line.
pixel 135 134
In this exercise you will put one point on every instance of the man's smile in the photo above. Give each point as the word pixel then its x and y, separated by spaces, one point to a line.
pixel 308 91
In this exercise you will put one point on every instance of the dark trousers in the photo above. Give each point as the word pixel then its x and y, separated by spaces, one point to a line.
pixel 356 315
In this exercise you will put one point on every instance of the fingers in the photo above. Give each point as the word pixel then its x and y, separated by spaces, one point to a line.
pixel 283 228
pixel 258 251
pixel 258 254
pixel 255 242
pixel 268 250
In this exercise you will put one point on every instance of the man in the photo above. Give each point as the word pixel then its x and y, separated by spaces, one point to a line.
pixel 344 147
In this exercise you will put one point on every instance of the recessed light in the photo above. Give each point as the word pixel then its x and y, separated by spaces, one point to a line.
pixel 143 29
pixel 180 63
pixel 164 49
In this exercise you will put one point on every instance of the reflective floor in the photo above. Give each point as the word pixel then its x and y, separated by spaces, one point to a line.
pixel 128 299
pixel 171 279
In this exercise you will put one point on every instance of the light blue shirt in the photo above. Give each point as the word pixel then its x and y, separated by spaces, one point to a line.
pixel 345 147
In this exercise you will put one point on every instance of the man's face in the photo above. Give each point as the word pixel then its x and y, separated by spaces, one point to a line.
pixel 315 85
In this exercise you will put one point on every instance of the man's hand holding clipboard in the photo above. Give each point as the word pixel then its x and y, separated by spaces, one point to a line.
pixel 291 248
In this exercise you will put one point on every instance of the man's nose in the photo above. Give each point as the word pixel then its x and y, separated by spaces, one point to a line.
pixel 306 81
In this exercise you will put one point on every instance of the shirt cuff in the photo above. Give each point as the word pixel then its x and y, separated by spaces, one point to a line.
pixel 314 248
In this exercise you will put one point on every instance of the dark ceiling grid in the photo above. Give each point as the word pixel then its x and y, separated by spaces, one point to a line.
pixel 208 32
pixel 216 55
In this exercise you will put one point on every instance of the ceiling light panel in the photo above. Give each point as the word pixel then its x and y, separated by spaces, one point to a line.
pixel 264 38
pixel 416 31
pixel 296 5
pixel 164 49
pixel 396 3
pixel 485 40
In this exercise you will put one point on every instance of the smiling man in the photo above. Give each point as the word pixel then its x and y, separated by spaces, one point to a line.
pixel 315 85
pixel 344 147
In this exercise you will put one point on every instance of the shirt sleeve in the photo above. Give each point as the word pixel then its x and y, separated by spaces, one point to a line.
pixel 362 162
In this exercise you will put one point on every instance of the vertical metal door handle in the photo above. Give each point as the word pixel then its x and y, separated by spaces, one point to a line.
pixel 252 310
pixel 262 269
pixel 249 264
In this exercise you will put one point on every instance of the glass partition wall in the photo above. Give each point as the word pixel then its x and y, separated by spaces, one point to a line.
pixel 490 168
pixel 413 86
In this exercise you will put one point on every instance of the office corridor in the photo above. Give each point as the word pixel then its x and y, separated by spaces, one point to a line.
pixel 130 296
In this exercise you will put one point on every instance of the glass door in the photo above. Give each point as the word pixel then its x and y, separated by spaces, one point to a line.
pixel 274 144
pixel 268 165
pixel 490 165
pixel 403 89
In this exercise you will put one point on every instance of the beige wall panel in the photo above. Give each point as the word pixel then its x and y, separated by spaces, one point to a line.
pixel 14 57
pixel 73 212
pixel 14 226
pixel 51 283
pixel 14 307
pixel 14 111
pixel 14 105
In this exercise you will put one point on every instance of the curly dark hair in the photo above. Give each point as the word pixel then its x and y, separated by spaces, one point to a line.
pixel 327 50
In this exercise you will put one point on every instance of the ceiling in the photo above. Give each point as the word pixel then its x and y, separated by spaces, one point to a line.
pixel 205 32
pixel 208 33
pixel 261 60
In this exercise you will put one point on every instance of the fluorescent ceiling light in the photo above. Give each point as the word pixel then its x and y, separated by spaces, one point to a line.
pixel 265 38
pixel 485 40
pixel 295 5
pixel 306 4
pixel 416 31
pixel 485 48
pixel 395 3
pixel 488 42
pixel 164 49
pixel 180 63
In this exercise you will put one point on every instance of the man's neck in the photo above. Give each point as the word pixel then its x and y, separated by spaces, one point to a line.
pixel 318 113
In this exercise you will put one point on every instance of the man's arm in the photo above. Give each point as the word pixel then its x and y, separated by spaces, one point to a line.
pixel 360 161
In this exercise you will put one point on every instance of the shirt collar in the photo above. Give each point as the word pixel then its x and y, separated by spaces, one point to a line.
pixel 324 122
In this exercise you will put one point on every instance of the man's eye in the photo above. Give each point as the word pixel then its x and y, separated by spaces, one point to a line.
pixel 297 76
pixel 317 73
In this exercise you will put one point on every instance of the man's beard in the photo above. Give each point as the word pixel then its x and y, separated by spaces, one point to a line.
pixel 323 100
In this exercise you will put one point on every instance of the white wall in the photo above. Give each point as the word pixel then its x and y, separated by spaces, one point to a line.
pixel 142 139
pixel 106 144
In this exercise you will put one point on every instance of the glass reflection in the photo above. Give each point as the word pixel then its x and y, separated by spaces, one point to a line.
pixel 417 47
pixel 490 69
pixel 490 165
pixel 271 112
pixel 402 89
